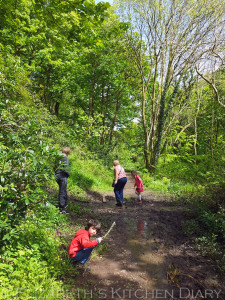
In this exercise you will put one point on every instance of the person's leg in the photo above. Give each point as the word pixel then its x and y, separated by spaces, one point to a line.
pixel 62 193
pixel 119 190
pixel 83 255
pixel 65 195
pixel 123 183
pixel 139 197
pixel 58 180
pixel 138 194
pixel 117 195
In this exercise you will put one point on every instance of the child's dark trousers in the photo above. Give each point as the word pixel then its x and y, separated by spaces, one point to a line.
pixel 83 255
pixel 63 201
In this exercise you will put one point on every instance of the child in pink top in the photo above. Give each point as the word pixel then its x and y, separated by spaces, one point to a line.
pixel 138 184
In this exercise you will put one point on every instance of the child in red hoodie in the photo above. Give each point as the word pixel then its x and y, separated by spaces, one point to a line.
pixel 81 246
pixel 138 184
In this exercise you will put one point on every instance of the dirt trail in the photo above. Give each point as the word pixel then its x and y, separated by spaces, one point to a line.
pixel 148 256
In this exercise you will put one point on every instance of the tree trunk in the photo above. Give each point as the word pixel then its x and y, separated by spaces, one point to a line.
pixel 91 104
pixel 46 88
pixel 57 109
pixel 114 121
pixel 161 120
pixel 102 138
pixel 195 120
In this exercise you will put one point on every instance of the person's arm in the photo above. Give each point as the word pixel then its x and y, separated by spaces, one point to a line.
pixel 73 247
pixel 65 165
pixel 99 240
pixel 86 243
pixel 115 175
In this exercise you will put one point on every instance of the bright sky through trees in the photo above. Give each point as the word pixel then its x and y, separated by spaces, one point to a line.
pixel 110 1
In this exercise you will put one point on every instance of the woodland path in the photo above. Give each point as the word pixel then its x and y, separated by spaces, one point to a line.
pixel 148 256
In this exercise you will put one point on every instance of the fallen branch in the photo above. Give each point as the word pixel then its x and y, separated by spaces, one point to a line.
pixel 113 224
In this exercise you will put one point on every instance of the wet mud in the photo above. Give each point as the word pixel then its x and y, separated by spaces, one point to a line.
pixel 148 256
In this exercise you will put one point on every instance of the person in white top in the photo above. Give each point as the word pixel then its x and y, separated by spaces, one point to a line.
pixel 120 181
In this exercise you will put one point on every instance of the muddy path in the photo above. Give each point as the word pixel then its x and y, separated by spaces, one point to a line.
pixel 148 256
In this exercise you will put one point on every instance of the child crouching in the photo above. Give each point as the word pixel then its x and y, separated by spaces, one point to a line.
pixel 81 246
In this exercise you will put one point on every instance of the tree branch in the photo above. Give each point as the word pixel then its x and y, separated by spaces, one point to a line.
pixel 212 85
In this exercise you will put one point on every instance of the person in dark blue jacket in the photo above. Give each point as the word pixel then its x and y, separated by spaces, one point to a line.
pixel 62 173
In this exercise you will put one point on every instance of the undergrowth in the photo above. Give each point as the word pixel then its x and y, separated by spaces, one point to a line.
pixel 207 229
pixel 35 264
pixel 32 263
pixel 33 257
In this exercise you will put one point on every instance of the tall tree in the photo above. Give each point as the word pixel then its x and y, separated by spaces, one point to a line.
pixel 172 36
pixel 100 83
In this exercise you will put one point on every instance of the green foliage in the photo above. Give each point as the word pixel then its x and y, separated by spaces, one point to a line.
pixel 203 190
pixel 190 227
pixel 75 208
pixel 213 222
pixel 30 253
pixel 70 59
pixel 99 251
pixel 207 225
pixel 25 277
pixel 155 184
pixel 88 174
pixel 189 176
pixel 32 262
pixel 209 246
pixel 26 163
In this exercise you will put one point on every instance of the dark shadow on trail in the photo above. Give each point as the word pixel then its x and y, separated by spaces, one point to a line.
pixel 95 196
pixel 110 198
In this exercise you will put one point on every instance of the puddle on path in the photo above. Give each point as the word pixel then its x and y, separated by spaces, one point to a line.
pixel 142 228
pixel 144 250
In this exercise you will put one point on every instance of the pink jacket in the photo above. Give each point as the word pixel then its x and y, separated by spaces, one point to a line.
pixel 138 182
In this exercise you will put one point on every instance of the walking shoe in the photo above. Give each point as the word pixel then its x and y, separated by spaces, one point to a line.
pixel 64 212
pixel 119 204
pixel 78 266
pixel 87 266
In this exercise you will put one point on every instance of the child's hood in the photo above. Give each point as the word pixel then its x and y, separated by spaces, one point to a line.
pixel 81 232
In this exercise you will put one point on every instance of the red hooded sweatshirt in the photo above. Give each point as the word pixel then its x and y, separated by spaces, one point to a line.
pixel 81 240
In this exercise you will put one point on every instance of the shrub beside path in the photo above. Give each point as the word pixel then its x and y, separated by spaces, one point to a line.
pixel 148 256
